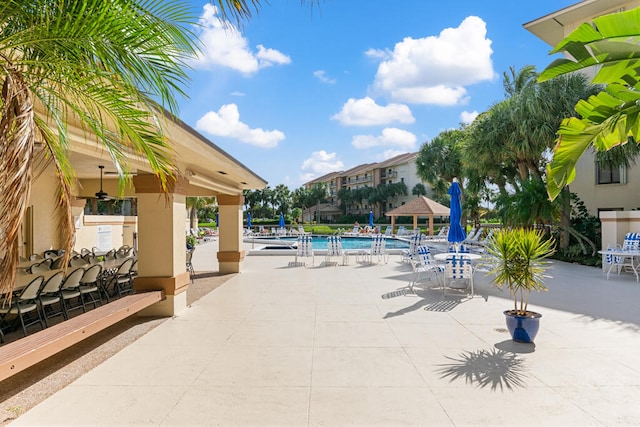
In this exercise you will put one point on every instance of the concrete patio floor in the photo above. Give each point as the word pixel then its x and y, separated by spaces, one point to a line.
pixel 337 346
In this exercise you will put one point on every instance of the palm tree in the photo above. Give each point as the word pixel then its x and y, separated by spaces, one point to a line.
pixel 194 204
pixel 99 63
pixel 419 190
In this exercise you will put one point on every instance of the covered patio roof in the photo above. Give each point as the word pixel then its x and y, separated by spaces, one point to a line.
pixel 420 206
pixel 210 170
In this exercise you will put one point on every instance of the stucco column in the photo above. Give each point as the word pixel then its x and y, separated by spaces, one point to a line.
pixel 230 252
pixel 161 243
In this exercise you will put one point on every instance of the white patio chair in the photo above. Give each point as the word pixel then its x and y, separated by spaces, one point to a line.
pixel 415 241
pixel 456 269
pixel 304 250
pixel 626 263
pixel 334 249
pixel 378 250
pixel 442 234
pixel 423 262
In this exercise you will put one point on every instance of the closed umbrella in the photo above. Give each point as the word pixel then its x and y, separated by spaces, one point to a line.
pixel 456 233
pixel 281 220
pixel 370 218
pixel 217 221
pixel 248 219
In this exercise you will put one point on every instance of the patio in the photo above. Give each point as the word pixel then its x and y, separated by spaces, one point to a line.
pixel 344 346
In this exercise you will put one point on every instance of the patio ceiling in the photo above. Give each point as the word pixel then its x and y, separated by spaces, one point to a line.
pixel 210 170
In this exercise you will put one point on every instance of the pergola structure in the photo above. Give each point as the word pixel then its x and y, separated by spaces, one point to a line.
pixel 203 170
pixel 420 206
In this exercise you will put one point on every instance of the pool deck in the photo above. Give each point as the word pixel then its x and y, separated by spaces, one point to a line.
pixel 346 345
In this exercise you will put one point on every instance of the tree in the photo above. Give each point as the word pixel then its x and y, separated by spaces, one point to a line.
pixel 606 120
pixel 194 204
pixel 98 63
pixel 282 199
pixel 318 194
pixel 419 190
pixel 440 160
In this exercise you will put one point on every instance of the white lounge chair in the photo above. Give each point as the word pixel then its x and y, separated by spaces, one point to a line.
pixel 442 234
pixel 354 232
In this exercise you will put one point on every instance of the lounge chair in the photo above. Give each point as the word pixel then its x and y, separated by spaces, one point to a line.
pixel 354 232
pixel 442 234
pixel 388 231
pixel 474 237
pixel 304 249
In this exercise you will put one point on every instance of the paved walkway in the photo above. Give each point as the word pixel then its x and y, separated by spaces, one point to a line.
pixel 335 346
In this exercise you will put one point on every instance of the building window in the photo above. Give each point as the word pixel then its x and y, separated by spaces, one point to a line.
pixel 402 180
pixel 610 175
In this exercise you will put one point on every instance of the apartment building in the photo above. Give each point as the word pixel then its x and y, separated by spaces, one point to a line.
pixel 401 168
pixel 601 188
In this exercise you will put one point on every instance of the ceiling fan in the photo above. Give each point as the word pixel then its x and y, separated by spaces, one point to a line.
pixel 102 195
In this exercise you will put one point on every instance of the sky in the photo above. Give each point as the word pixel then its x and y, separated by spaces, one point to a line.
pixel 298 91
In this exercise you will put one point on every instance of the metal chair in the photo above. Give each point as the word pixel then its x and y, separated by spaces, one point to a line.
pixel 70 290
pixel 50 295
pixel 90 285
pixel 23 304
pixel 41 267
pixel 189 264
pixel 121 282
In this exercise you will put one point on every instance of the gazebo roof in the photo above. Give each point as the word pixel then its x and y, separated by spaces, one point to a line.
pixel 420 206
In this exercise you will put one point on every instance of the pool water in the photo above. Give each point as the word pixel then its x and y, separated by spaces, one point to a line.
pixel 320 242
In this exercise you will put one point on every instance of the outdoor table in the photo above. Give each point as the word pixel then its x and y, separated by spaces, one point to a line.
pixel 635 264
pixel 443 255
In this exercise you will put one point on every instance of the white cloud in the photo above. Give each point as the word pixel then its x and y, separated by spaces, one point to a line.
pixel 224 46
pixel 436 69
pixel 322 76
pixel 468 117
pixel 237 93
pixel 379 54
pixel 365 112
pixel 226 122
pixel 320 163
pixel 390 137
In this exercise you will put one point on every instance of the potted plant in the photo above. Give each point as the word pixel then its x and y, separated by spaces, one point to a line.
pixel 520 265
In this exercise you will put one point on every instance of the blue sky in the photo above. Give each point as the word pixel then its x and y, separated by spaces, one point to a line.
pixel 298 92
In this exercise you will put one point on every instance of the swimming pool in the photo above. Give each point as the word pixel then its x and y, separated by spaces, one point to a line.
pixel 320 242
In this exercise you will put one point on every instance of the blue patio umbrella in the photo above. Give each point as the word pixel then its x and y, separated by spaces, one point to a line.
pixel 456 233
pixel 370 218
pixel 281 220
pixel 248 219
pixel 217 221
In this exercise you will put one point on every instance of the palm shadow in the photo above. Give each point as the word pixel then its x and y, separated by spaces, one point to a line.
pixel 493 368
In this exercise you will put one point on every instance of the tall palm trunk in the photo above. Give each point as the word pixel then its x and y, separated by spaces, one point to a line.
pixel 16 168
